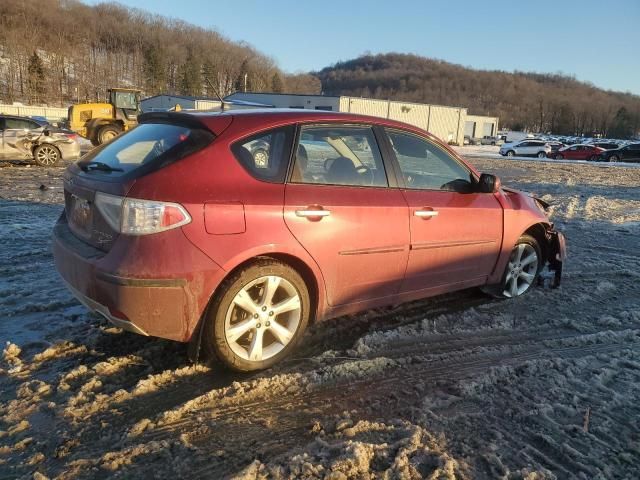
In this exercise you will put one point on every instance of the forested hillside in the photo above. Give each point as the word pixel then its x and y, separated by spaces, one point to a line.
pixel 537 102
pixel 57 51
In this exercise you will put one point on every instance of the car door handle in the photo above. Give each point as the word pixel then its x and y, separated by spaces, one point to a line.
pixel 426 213
pixel 317 212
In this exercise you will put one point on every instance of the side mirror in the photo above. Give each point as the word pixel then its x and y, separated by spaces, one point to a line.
pixel 46 132
pixel 488 183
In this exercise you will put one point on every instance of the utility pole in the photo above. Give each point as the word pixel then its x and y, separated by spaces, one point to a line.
pixel 245 82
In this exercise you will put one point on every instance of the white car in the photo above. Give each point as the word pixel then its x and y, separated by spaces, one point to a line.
pixel 526 148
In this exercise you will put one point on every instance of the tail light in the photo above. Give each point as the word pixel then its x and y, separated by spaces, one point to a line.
pixel 71 136
pixel 132 216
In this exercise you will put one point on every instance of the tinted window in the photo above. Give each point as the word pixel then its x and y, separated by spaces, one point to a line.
pixel 634 147
pixel 156 144
pixel 18 123
pixel 339 155
pixel 426 166
pixel 266 155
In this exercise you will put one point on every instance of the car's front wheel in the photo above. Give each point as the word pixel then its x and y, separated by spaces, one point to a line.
pixel 258 316
pixel 46 155
pixel 510 153
pixel 613 158
pixel 523 268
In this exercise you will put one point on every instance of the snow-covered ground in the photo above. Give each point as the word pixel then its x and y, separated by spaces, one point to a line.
pixel 459 386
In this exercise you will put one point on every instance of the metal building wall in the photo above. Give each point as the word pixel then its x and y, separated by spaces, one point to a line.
pixel 446 123
pixel 483 125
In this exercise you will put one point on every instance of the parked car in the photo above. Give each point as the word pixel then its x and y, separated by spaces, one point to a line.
pixel 26 138
pixel 526 148
pixel 606 145
pixel 578 152
pixel 555 146
pixel 628 153
pixel 466 140
pixel 488 140
pixel 175 230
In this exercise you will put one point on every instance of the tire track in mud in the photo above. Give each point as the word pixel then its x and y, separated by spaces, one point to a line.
pixel 256 429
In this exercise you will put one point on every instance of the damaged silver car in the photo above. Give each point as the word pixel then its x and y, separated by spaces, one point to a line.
pixel 24 138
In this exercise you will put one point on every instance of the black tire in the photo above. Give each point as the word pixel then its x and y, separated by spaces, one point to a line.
pixel 559 156
pixel 542 154
pixel 613 158
pixel 593 158
pixel 510 153
pixel 497 291
pixel 108 133
pixel 214 341
pixel 46 155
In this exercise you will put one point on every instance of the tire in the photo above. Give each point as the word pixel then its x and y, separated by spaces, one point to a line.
pixel 46 155
pixel 510 153
pixel 250 286
pixel 108 133
pixel 493 144
pixel 593 158
pixel 527 274
pixel 542 154
pixel 559 156
pixel 614 158
pixel 261 157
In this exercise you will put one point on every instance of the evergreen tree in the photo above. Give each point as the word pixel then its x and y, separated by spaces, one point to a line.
pixel 277 85
pixel 243 81
pixel 36 80
pixel 154 70
pixel 191 77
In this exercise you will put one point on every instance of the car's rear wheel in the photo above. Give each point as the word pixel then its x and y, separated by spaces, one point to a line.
pixel 559 156
pixel 522 270
pixel 46 155
pixel 614 158
pixel 510 153
pixel 258 316
pixel 542 155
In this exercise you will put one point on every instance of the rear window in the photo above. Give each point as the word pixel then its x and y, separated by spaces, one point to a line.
pixel 147 147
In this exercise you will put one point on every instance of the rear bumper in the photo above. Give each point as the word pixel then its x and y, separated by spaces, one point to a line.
pixel 110 284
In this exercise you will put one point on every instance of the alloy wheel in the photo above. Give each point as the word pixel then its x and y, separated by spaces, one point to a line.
pixel 47 155
pixel 263 318
pixel 521 270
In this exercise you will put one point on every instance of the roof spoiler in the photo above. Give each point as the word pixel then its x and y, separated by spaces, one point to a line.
pixel 175 118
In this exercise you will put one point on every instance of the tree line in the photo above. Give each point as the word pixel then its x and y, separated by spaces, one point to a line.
pixel 58 52
pixel 551 103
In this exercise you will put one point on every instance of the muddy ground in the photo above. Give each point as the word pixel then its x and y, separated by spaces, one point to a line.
pixel 459 386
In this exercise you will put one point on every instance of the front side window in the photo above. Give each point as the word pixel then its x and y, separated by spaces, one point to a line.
pixel 426 166
pixel 339 155
pixel 266 155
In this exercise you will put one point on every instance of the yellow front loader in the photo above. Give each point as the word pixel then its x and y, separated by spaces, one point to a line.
pixel 100 122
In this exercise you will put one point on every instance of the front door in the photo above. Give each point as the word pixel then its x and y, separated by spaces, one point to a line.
pixel 456 233
pixel 340 208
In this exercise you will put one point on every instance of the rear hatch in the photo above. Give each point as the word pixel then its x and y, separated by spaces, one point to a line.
pixel 114 167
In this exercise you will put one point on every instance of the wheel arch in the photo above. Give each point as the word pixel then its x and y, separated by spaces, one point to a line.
pixel 539 232
pixel 316 292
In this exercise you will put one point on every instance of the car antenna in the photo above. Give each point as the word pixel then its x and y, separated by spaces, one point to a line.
pixel 215 90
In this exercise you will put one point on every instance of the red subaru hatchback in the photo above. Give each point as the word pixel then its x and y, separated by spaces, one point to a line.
pixel 234 230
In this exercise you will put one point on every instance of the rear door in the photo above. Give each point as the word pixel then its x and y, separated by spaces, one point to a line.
pixel 17 136
pixel 340 207
pixel 632 153
pixel 456 234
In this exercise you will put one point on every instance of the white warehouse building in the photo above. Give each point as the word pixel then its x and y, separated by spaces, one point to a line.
pixel 161 103
pixel 446 123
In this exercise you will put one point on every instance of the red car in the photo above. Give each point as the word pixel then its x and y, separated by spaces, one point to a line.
pixel 234 230
pixel 578 152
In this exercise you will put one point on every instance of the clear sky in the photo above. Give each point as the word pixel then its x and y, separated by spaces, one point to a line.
pixel 596 41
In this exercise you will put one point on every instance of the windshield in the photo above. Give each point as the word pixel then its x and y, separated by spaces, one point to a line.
pixel 126 100
pixel 156 144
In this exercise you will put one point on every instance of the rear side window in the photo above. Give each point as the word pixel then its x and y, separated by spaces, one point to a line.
pixel 266 155
pixel 147 147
